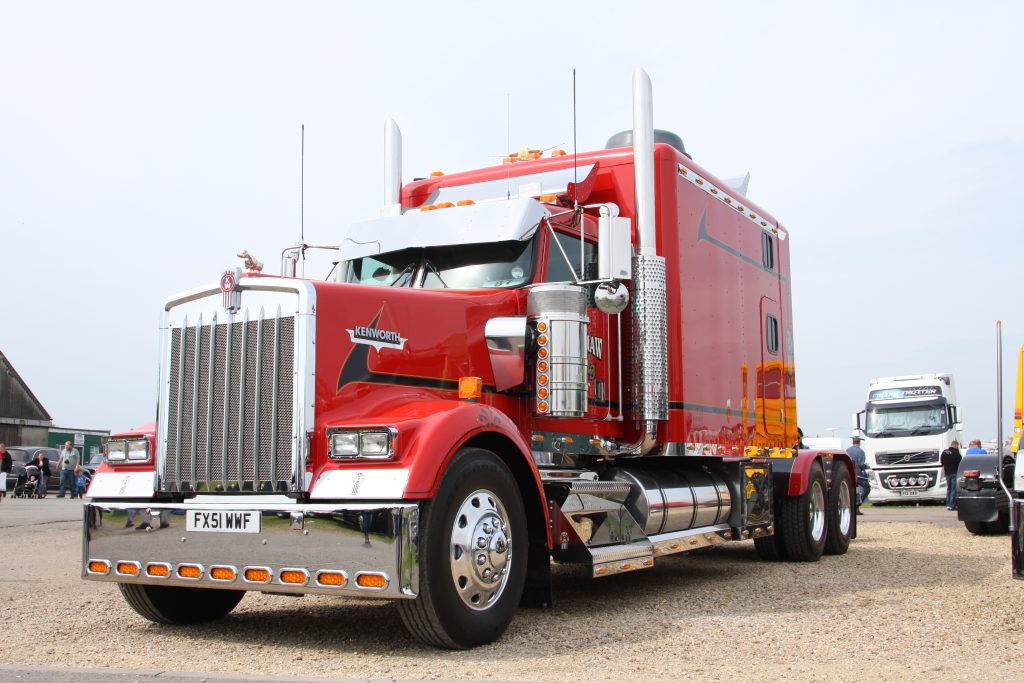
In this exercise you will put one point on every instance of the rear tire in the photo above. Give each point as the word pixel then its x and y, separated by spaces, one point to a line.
pixel 840 511
pixel 175 605
pixel 1001 525
pixel 471 531
pixel 804 519
pixel 977 528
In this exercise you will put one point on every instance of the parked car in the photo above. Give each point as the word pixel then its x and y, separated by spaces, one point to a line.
pixel 89 468
pixel 981 502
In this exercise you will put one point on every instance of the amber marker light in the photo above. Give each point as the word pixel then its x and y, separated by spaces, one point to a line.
pixel 542 366
pixel 542 339
pixel 542 392
pixel 99 566
pixel 372 580
pixel 542 327
pixel 470 388
pixel 445 205
pixel 465 202
pixel 189 571
pixel 542 353
pixel 158 569
pixel 547 198
pixel 542 380
pixel 542 407
pixel 128 568
pixel 330 579
pixel 436 174
pixel 222 573
pixel 294 576
pixel 558 152
pixel 257 575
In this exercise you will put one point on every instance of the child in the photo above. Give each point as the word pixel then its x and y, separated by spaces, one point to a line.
pixel 80 483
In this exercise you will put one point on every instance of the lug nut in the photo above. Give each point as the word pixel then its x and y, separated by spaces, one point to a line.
pixel 481 542
pixel 480 559
pixel 488 529
pixel 487 573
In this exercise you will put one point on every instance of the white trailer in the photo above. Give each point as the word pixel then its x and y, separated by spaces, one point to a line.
pixel 906 424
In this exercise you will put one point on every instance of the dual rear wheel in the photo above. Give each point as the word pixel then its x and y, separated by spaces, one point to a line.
pixel 818 521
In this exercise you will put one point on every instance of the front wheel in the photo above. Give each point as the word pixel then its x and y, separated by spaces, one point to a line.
pixel 175 605
pixel 472 563
pixel 804 519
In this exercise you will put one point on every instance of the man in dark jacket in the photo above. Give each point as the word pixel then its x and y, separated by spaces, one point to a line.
pixel 950 459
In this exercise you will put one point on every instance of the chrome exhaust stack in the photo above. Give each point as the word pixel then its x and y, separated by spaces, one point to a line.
pixel 650 336
pixel 392 169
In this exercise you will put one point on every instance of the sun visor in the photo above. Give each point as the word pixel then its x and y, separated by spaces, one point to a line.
pixel 493 221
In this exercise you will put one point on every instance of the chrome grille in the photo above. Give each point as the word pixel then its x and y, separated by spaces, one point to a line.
pixel 230 406
pixel 907 458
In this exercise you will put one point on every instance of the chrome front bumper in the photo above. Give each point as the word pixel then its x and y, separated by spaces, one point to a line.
pixel 369 543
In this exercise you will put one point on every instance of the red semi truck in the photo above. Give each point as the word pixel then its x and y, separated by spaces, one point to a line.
pixel 580 359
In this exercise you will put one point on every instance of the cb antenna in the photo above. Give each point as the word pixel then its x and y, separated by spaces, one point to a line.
pixel 302 197
pixel 575 180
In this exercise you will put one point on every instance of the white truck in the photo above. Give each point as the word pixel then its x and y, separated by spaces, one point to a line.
pixel 906 424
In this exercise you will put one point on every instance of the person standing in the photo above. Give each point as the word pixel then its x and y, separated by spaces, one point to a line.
pixel 974 448
pixel 950 460
pixel 68 463
pixel 5 468
pixel 43 463
pixel 856 454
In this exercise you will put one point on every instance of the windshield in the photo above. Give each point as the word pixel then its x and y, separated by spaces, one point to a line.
pixel 96 459
pixel 468 266
pixel 906 420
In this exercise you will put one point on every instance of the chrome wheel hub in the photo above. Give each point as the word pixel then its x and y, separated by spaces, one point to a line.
pixel 481 550
pixel 817 511
pixel 845 509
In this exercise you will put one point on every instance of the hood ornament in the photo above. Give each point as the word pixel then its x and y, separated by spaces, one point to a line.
pixel 250 262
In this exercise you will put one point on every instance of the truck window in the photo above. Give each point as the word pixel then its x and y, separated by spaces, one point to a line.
pixel 771 333
pixel 767 251
pixel 559 270
pixel 465 266
pixel 882 421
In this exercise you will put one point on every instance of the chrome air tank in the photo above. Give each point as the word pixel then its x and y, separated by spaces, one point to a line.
pixel 558 316
pixel 675 498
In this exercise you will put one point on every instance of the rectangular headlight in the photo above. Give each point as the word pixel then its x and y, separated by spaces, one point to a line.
pixel 117 451
pixel 138 449
pixel 344 444
pixel 375 444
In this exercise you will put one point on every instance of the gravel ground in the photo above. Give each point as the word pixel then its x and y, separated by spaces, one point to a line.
pixel 910 601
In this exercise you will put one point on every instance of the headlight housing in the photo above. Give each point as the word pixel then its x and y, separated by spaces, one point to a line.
pixel 117 451
pixel 138 450
pixel 375 443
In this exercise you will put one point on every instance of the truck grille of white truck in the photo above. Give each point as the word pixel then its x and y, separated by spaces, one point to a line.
pixel 230 406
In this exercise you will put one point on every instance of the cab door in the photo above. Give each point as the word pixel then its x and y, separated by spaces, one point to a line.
pixel 771 376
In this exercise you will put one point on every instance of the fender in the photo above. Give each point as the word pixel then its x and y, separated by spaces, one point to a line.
pixel 430 431
pixel 791 475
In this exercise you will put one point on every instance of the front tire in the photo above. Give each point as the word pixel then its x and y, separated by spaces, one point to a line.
pixel 804 519
pixel 840 512
pixel 176 605
pixel 473 547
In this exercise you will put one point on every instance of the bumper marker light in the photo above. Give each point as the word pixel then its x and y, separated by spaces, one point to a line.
pixel 293 576
pixel 331 579
pixel 128 568
pixel 190 571
pixel 256 575
pixel 158 569
pixel 222 573
pixel 98 566
pixel 372 580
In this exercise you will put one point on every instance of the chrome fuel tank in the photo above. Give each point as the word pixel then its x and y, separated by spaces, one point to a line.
pixel 666 499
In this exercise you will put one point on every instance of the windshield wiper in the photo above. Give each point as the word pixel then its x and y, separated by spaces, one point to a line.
pixel 922 430
pixel 882 434
pixel 433 269
pixel 408 270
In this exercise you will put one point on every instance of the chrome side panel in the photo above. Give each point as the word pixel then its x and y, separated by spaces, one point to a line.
pixel 351 538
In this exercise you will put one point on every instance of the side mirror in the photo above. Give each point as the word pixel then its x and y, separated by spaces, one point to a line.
pixel 858 429
pixel 614 245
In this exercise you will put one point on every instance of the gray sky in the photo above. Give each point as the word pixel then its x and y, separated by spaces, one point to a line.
pixel 142 145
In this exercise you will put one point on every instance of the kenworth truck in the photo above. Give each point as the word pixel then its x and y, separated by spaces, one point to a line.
pixel 581 359
pixel 906 424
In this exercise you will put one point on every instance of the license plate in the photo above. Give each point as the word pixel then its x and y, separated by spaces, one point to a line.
pixel 223 521
pixel 909 493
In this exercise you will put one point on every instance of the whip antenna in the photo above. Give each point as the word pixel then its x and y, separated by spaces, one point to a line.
pixel 302 197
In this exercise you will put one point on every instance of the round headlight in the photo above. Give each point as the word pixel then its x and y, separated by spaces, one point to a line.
pixel 903 481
